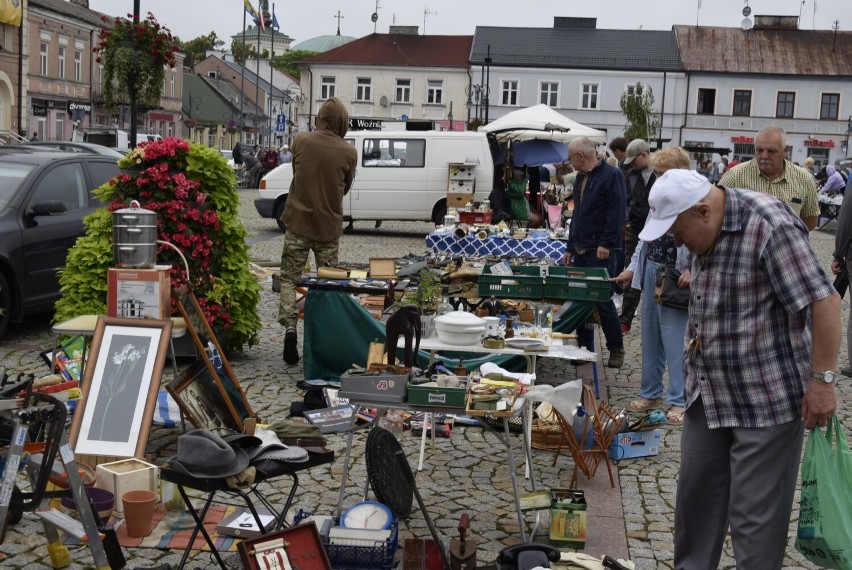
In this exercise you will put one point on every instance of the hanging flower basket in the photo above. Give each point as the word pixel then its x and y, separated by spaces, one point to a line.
pixel 135 56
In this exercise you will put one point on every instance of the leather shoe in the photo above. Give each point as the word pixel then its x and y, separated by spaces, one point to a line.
pixel 291 348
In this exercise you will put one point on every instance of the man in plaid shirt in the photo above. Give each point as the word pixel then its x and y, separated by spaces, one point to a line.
pixel 761 348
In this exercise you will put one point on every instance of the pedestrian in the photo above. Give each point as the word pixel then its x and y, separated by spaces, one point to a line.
pixel 323 170
pixel 34 137
pixel 516 194
pixel 595 233
pixel 254 170
pixel 270 160
pixel 841 266
pixel 237 154
pixel 285 155
pixel 771 173
pixel 764 332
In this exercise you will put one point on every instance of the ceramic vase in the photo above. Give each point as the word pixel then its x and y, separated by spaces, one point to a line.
pixel 139 512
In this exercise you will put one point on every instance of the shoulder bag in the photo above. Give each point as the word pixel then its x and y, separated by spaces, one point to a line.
pixel 668 294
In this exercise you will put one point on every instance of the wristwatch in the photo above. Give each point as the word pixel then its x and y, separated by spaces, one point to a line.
pixel 828 376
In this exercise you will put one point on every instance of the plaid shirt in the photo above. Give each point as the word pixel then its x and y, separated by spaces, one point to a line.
pixel 796 187
pixel 750 310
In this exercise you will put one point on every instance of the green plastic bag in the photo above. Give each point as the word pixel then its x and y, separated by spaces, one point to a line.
pixel 825 515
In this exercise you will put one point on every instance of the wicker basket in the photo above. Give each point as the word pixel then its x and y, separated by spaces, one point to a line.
pixel 546 435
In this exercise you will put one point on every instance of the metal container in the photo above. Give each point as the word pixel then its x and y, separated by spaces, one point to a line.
pixel 134 237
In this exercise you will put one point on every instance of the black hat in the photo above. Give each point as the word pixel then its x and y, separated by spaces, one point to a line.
pixel 203 454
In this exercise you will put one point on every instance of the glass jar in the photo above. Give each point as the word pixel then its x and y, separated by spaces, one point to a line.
pixel 445 306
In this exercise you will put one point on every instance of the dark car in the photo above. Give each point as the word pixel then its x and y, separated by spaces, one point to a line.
pixel 81 147
pixel 44 195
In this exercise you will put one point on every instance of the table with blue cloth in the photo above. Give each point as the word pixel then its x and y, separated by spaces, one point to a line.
pixel 497 246
pixel 829 208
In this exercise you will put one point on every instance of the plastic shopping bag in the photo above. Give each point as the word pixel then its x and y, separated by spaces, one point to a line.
pixel 825 517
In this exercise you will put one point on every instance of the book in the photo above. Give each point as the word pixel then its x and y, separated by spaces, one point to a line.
pixel 241 523
pixel 332 420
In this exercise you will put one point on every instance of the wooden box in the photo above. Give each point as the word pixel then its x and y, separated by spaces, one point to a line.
pixel 458 201
pixel 301 544
pixel 382 268
pixel 126 475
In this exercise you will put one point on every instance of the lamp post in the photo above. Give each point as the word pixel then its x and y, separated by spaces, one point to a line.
pixel 848 130
pixel 450 115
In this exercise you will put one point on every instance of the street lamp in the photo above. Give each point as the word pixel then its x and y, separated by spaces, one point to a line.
pixel 848 130
pixel 450 115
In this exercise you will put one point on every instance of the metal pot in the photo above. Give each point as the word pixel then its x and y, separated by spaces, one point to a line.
pixel 134 237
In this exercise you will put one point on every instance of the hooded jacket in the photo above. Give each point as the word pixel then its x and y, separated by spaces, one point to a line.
pixel 323 170
pixel 834 182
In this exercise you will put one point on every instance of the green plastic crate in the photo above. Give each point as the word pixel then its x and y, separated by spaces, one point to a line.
pixel 526 283
pixel 577 283
pixel 436 396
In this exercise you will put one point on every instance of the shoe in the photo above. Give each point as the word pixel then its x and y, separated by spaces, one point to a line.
pixel 616 358
pixel 625 328
pixel 643 405
pixel 291 347
pixel 674 416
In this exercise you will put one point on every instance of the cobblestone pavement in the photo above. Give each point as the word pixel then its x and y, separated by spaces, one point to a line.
pixel 465 473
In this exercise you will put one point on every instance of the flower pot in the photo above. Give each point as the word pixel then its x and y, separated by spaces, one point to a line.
pixel 139 512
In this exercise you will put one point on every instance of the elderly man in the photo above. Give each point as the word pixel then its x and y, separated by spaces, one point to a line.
pixel 771 173
pixel 595 232
pixel 763 337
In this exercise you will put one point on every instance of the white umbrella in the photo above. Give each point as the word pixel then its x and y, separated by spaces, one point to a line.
pixel 540 122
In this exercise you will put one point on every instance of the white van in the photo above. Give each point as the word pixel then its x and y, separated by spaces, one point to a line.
pixel 401 175
pixel 110 136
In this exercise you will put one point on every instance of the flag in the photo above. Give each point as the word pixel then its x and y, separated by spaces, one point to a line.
pixel 275 22
pixel 255 15
pixel 11 12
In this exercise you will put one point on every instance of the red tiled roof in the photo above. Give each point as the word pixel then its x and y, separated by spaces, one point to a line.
pixel 401 49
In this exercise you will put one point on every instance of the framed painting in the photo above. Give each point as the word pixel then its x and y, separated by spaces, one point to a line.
pixel 198 394
pixel 120 384
pixel 231 396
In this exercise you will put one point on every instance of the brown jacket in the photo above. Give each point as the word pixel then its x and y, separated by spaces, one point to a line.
pixel 323 169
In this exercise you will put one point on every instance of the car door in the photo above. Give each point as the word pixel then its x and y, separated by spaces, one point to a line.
pixel 46 239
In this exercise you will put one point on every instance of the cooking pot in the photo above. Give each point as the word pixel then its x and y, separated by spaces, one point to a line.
pixel 134 237
pixel 459 328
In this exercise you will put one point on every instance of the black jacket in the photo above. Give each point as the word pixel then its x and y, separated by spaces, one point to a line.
pixel 637 198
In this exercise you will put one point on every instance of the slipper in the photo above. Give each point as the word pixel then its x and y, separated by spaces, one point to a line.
pixel 674 416
pixel 643 404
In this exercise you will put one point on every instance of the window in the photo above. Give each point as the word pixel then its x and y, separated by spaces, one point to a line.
pixel 830 107
pixel 61 62
pixel 742 103
pixel 172 86
pixel 435 91
pixel 630 90
pixel 706 102
pixel 67 184
pixel 364 89
pixel 327 87
pixel 395 153
pixel 589 95
pixel 42 48
pixel 403 91
pixel 549 93
pixel 509 93
pixel 786 104
pixel 102 172
pixel 59 125
pixel 78 65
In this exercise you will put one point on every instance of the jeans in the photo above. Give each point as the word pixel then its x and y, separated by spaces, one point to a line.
pixel 663 330
pixel 610 324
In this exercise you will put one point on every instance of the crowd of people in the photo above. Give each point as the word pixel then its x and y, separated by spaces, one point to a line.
pixel 257 161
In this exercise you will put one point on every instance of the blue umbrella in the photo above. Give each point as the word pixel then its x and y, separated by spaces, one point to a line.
pixel 538 152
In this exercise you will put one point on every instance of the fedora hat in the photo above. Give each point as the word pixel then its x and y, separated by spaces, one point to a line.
pixel 203 454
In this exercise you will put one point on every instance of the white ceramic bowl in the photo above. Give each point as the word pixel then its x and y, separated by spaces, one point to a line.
pixel 461 338
pixel 458 321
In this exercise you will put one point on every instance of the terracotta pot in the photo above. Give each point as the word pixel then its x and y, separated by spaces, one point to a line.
pixel 139 512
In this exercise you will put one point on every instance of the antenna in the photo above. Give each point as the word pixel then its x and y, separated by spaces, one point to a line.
pixel 375 16
pixel 427 12
pixel 697 12
pixel 835 28
pixel 339 17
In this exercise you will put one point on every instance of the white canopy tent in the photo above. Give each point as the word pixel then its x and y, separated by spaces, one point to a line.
pixel 540 122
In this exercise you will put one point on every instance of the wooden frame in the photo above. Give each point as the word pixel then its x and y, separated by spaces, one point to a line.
pixel 224 402
pixel 122 377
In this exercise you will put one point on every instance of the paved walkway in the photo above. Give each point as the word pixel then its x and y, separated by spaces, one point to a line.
pixel 466 473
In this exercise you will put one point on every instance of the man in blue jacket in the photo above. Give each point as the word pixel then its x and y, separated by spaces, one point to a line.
pixel 595 233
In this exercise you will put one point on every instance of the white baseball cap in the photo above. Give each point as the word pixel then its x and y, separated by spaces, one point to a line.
pixel 673 193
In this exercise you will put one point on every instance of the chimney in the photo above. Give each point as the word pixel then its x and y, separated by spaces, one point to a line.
pixel 83 3
pixel 404 30
pixel 570 22
pixel 776 22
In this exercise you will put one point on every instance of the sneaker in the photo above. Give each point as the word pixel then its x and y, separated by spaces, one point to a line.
pixel 616 358
pixel 625 328
pixel 291 348
pixel 644 404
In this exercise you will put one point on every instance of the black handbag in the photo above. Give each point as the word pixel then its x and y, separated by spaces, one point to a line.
pixel 668 294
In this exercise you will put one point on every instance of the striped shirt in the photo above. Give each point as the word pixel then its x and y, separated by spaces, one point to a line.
pixel 750 311
pixel 796 187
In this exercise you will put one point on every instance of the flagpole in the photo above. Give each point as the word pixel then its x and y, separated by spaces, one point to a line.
pixel 271 57
pixel 243 80
pixel 257 76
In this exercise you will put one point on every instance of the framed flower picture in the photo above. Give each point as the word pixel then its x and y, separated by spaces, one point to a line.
pixel 120 384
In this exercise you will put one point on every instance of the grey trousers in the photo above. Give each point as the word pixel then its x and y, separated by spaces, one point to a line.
pixel 737 476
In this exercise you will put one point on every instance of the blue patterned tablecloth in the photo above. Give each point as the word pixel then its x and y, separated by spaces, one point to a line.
pixel 471 245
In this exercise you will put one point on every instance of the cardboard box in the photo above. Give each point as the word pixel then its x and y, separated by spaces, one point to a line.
pixel 568 518
pixel 382 268
pixel 139 293
pixel 635 444
pixel 458 201
pixel 126 475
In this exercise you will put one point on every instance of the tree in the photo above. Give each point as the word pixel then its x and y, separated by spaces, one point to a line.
pixel 288 62
pixel 638 108
pixel 242 51
pixel 196 49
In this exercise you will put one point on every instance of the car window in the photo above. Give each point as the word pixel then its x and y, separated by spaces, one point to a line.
pixel 102 172
pixel 394 152
pixel 11 176
pixel 65 183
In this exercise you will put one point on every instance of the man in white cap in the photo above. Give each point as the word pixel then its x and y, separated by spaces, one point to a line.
pixel 762 344
pixel 285 155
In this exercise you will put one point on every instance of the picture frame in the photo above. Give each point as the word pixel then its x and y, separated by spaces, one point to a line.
pixel 198 393
pixel 231 401
pixel 119 392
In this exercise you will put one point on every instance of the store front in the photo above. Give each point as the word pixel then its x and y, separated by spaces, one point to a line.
pixel 54 119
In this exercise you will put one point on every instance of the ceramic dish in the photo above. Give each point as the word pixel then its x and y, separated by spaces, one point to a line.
pixel 522 342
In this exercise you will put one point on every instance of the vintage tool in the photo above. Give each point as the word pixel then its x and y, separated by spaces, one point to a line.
pixel 462 550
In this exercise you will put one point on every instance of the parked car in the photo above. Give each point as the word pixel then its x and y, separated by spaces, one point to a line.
pixel 44 195
pixel 81 147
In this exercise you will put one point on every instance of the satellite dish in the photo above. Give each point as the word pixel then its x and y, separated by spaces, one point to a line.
pixel 383 101
pixel 375 17
pixel 747 24
pixel 747 11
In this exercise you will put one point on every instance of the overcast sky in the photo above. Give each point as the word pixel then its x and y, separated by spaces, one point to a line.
pixel 305 19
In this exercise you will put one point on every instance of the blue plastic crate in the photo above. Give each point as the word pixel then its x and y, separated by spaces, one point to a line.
pixel 346 557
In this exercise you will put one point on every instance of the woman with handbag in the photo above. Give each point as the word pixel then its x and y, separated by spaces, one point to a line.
pixel 660 264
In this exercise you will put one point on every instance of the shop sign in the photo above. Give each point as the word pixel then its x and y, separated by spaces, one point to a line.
pixel 364 125
pixel 816 142
pixel 39 110
pixel 73 106
pixel 160 117
pixel 743 140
